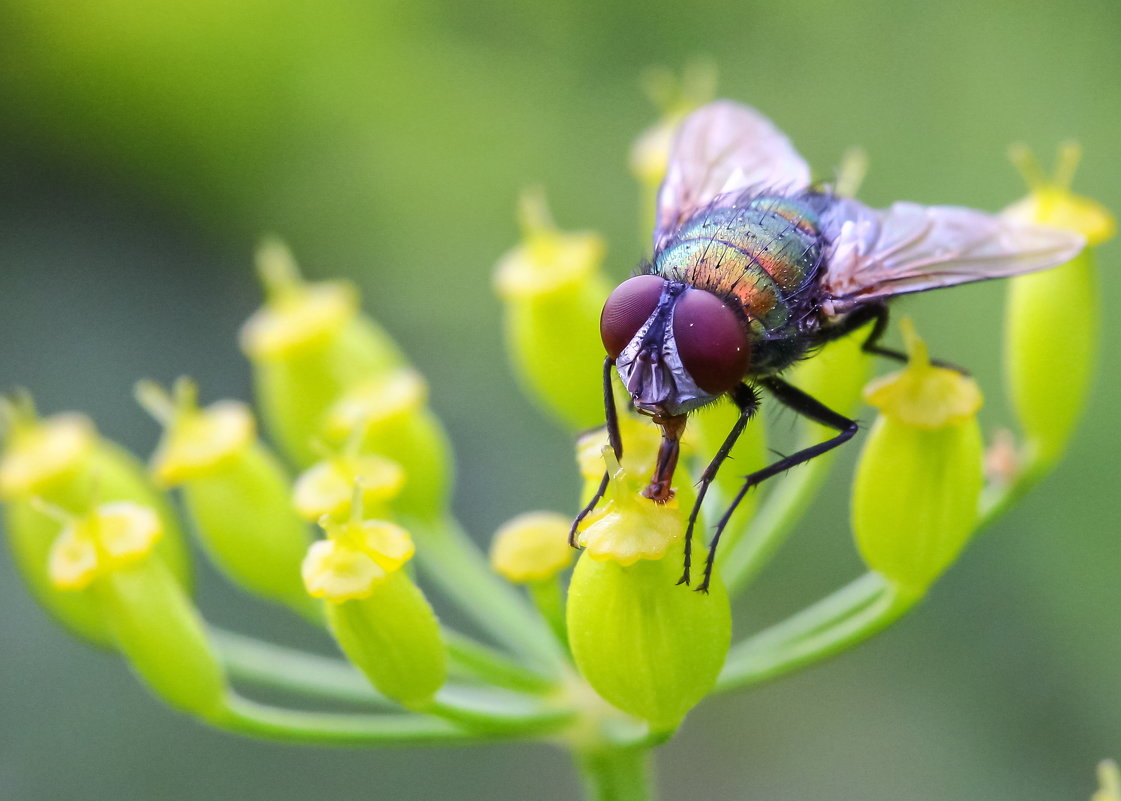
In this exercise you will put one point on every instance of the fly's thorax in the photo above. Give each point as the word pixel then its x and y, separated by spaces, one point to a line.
pixel 761 254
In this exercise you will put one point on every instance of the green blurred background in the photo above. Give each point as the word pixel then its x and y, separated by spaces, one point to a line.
pixel 144 149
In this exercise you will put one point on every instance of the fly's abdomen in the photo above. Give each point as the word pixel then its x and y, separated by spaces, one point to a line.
pixel 761 254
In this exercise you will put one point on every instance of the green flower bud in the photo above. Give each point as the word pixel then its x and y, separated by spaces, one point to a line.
pixel 651 647
pixel 153 623
pixel 553 291
pixel 235 490
pixel 1066 297
pixel 381 620
pixel 62 460
pixel 309 344
pixel 919 478
pixel 391 411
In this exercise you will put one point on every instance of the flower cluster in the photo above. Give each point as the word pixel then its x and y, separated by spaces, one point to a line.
pixel 605 660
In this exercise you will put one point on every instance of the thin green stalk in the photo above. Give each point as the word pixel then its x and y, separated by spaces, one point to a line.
pixel 841 604
pixel 471 659
pixel 786 502
pixel 274 666
pixel 499 712
pixel 833 625
pixel 449 556
pixel 312 676
pixel 243 716
pixel 617 774
pixel 548 597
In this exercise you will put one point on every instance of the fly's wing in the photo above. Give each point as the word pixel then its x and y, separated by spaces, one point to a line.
pixel 877 253
pixel 722 149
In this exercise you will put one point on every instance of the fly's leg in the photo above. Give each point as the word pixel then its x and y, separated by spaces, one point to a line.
pixel 748 402
pixel 877 314
pixel 611 415
pixel 807 406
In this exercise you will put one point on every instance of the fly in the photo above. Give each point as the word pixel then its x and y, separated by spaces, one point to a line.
pixel 753 268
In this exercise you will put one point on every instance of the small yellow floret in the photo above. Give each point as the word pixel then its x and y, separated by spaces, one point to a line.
pixel 547 260
pixel 112 535
pixel 1109 782
pixel 629 527
pixel 196 441
pixel 642 440
pixel 1050 201
pixel 296 315
pixel 337 573
pixel 327 487
pixel 377 402
pixel 921 394
pixel 39 451
pixel 355 558
pixel 531 547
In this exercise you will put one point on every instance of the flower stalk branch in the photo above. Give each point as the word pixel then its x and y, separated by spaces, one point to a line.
pixel 604 658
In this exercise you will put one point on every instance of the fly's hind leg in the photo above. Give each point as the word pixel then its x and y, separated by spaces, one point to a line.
pixel 877 314
pixel 805 405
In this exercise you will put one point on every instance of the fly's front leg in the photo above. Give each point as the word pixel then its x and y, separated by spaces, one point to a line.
pixel 748 402
pixel 805 405
pixel 611 415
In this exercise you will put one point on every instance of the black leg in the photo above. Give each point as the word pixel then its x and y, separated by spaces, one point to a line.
pixel 611 415
pixel 807 406
pixel 877 314
pixel 748 402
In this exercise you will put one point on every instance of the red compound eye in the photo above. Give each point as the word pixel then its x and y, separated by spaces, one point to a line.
pixel 711 341
pixel 628 307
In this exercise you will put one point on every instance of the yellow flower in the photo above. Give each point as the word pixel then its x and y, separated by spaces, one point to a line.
pixel 531 547
pixel 112 535
pixel 626 526
pixel 327 487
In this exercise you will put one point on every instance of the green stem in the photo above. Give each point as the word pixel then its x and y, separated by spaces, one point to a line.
pixel 787 501
pixel 247 717
pixel 469 658
pixel 548 597
pixel 312 676
pixel 841 604
pixel 834 624
pixel 996 501
pixel 499 712
pixel 617 774
pixel 449 556
pixel 274 666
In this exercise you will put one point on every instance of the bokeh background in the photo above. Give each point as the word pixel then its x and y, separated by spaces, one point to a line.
pixel 145 148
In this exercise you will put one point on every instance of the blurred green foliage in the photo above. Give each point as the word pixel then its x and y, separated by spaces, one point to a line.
pixel 144 149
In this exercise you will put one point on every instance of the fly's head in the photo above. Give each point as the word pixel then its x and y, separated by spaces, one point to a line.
pixel 676 348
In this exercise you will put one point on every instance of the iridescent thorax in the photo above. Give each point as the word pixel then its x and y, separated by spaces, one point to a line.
pixel 761 255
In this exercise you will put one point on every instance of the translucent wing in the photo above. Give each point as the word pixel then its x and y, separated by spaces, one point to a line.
pixel 877 253
pixel 719 149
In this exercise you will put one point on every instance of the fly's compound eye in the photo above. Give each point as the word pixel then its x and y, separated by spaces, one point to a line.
pixel 627 308
pixel 711 341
